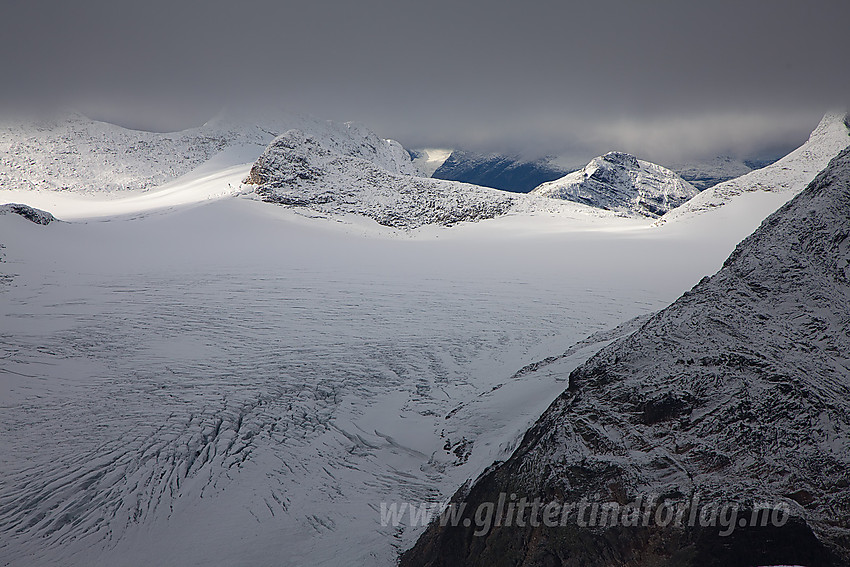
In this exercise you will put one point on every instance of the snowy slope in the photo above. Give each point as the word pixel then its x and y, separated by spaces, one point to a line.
pixel 237 384
pixel 620 182
pixel 739 392
pixel 783 178
pixel 75 154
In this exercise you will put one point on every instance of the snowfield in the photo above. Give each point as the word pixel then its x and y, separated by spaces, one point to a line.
pixel 192 376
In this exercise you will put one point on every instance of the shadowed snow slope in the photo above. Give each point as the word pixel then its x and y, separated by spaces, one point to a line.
pixel 738 392
pixel 620 182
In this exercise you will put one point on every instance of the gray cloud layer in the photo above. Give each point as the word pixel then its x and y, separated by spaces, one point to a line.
pixel 656 77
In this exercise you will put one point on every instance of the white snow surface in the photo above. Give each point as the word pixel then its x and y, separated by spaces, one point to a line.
pixel 620 182
pixel 190 376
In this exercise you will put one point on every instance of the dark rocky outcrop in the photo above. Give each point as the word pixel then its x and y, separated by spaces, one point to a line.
pixel 31 214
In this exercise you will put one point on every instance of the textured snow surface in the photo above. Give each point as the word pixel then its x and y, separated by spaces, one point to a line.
pixel 620 182
pixel 784 178
pixel 239 384
pixel 739 391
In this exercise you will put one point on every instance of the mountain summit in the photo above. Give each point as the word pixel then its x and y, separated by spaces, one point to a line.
pixel 620 182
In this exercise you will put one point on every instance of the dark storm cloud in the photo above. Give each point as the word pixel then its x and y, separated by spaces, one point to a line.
pixel 654 77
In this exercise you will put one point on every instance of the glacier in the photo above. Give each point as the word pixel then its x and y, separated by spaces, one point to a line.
pixel 190 375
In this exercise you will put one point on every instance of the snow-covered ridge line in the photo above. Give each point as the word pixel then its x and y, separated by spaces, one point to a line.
pixel 620 182
pixel 787 176
pixel 79 155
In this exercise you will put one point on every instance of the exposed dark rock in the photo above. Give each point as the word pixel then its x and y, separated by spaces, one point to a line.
pixel 31 214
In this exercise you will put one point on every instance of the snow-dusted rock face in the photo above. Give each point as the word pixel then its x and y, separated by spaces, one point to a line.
pixel 30 213
pixel 75 153
pixel 739 392
pixel 789 175
pixel 301 170
pixel 620 182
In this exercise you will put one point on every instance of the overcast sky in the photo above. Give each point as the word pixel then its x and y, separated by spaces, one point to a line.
pixel 663 79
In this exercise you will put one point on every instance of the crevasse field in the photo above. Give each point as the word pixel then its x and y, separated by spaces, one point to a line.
pixel 190 376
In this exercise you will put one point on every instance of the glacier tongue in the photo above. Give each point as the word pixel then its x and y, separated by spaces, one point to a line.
pixel 620 182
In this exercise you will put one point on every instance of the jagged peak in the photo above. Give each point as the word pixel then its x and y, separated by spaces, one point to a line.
pixel 620 181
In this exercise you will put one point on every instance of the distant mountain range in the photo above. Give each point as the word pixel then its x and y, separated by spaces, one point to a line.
pixel 513 173
pixel 77 155
pixel 508 173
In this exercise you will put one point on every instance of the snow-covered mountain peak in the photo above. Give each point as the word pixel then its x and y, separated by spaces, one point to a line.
pixel 834 122
pixel 302 170
pixel 620 158
pixel 299 169
pixel 621 182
